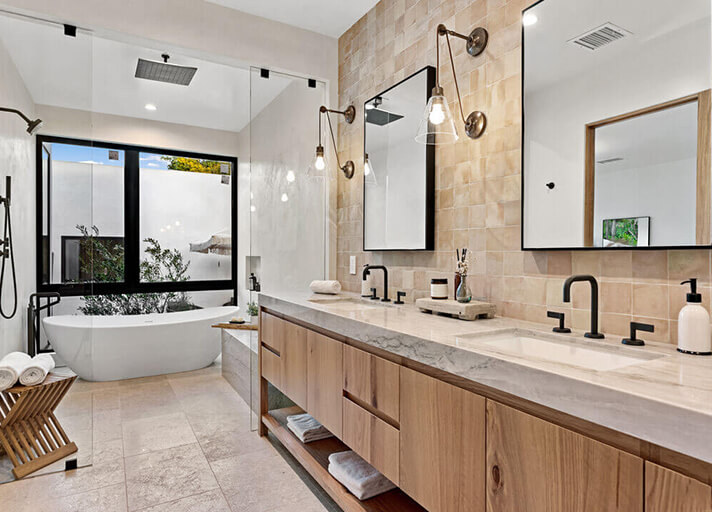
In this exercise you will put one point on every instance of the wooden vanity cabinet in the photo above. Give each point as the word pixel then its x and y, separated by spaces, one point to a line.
pixel 284 357
pixel 325 377
pixel 667 490
pixel 537 466
pixel 442 444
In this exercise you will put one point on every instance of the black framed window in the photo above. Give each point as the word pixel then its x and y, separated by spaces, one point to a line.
pixel 123 219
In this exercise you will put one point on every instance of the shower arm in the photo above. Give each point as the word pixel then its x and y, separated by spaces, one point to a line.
pixel 15 111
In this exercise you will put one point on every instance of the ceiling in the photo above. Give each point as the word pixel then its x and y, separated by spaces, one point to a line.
pixel 658 29
pixel 329 17
pixel 97 75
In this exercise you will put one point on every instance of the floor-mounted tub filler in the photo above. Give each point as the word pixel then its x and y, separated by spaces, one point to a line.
pixel 102 348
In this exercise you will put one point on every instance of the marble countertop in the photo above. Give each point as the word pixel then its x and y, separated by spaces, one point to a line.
pixel 665 399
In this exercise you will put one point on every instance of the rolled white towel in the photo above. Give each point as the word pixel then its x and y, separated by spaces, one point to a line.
pixel 325 287
pixel 358 476
pixel 36 370
pixel 11 367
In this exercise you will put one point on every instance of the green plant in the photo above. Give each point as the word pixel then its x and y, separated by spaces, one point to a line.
pixel 252 308
pixel 104 263
pixel 181 163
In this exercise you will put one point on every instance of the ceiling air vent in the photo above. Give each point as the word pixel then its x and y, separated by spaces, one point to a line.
pixel 601 36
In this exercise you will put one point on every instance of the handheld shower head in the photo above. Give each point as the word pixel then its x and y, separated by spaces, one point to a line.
pixel 32 126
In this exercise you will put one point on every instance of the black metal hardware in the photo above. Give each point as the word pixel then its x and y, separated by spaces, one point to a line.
pixel 399 295
pixel 593 333
pixel 311 83
pixel 634 327
pixel 550 185
pixel 34 319
pixel 70 30
pixel 373 294
pixel 264 73
pixel 560 317
pixel 70 464
pixel 367 270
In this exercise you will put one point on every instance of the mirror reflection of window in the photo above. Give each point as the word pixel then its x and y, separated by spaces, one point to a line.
pixel 585 61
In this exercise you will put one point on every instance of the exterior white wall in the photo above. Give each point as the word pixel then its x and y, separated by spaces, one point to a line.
pixel 18 161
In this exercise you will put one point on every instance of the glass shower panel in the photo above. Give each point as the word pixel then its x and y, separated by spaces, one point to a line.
pixel 50 76
pixel 285 202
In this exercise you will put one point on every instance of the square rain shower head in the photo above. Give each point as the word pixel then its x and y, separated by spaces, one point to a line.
pixel 163 72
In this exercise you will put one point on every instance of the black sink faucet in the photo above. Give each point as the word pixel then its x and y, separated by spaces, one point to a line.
pixel 594 302
pixel 367 270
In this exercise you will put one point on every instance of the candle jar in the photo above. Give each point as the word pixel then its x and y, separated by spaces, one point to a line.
pixel 438 289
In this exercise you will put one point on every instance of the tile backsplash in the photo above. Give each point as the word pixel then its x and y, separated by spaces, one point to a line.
pixel 478 182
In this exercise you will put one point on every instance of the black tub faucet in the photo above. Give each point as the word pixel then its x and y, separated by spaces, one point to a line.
pixel 593 333
pixel 367 270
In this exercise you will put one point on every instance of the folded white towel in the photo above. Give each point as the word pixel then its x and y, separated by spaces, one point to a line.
pixel 325 287
pixel 358 476
pixel 11 367
pixel 306 428
pixel 36 370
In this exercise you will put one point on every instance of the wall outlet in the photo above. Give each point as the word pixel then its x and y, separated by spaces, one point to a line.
pixel 352 265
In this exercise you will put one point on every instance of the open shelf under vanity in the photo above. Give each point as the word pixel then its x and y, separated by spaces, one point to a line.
pixel 314 457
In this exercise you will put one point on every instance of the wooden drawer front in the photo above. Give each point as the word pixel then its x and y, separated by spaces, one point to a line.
pixel 373 439
pixel 294 363
pixel 667 490
pixel 372 380
pixel 324 378
pixel 271 367
pixel 272 331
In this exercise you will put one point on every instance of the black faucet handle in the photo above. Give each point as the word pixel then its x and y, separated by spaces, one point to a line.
pixel 373 294
pixel 400 296
pixel 634 327
pixel 560 317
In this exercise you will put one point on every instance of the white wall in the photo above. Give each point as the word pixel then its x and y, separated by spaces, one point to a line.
pixel 17 160
pixel 81 124
pixel 639 192
pixel 657 70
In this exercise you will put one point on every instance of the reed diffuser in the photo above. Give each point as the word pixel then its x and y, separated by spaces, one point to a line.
pixel 462 289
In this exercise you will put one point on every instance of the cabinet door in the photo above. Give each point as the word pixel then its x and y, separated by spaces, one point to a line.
pixel 442 450
pixel 294 363
pixel 666 490
pixel 324 381
pixel 537 466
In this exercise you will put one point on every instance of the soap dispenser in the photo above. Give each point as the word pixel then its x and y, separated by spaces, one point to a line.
pixel 693 324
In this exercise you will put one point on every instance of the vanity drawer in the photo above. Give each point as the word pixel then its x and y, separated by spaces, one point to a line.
pixel 272 331
pixel 372 380
pixel 373 439
pixel 271 367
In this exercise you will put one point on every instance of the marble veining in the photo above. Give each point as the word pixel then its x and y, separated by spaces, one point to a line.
pixel 665 399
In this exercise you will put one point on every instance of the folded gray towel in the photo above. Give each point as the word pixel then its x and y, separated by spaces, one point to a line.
pixel 358 476
pixel 306 428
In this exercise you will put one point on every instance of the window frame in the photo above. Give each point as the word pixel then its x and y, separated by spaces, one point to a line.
pixel 132 217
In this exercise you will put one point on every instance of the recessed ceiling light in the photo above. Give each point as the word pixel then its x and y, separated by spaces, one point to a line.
pixel 529 19
pixel 151 107
pixel 290 176
pixel 285 198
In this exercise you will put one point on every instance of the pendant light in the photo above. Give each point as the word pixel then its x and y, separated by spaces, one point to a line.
pixel 369 176
pixel 438 125
pixel 319 159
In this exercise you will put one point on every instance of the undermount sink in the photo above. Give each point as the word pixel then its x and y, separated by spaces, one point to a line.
pixel 349 303
pixel 538 347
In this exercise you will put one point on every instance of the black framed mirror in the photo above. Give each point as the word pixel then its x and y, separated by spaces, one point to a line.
pixel 399 173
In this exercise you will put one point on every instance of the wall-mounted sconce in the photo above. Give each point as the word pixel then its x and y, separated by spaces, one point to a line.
pixel 319 160
pixel 438 125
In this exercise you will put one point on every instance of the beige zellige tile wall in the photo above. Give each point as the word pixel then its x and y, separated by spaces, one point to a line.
pixel 478 182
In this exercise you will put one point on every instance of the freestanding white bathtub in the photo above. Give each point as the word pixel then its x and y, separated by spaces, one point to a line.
pixel 117 347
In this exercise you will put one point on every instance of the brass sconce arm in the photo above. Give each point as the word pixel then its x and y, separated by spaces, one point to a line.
pixel 349 115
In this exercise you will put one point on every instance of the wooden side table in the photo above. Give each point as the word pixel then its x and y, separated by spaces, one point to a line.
pixel 29 431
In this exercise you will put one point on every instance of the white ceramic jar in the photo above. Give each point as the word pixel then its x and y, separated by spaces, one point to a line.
pixel 438 289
